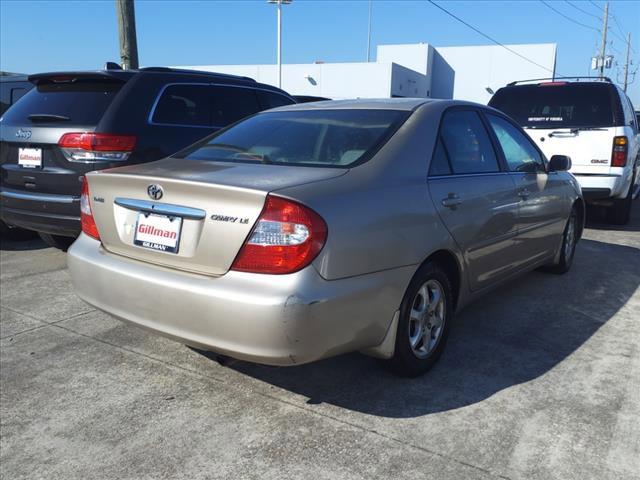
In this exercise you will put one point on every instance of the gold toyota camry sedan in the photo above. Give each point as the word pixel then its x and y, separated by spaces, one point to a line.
pixel 317 229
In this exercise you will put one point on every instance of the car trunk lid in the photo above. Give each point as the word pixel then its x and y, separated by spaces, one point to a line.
pixel 214 206
pixel 589 149
pixel 578 119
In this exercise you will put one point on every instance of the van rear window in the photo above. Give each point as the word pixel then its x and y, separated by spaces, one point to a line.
pixel 81 102
pixel 570 105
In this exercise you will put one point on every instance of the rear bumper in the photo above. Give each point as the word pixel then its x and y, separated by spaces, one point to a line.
pixel 48 213
pixel 602 186
pixel 271 319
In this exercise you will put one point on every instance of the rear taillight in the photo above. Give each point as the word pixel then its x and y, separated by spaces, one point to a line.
pixel 286 238
pixel 86 215
pixel 96 147
pixel 620 151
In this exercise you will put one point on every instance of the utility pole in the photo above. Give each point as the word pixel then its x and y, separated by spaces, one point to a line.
pixel 279 3
pixel 604 39
pixel 127 33
pixel 626 63
pixel 369 35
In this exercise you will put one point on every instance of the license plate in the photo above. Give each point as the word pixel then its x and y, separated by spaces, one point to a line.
pixel 158 232
pixel 30 157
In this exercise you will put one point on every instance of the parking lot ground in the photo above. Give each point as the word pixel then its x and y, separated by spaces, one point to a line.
pixel 540 380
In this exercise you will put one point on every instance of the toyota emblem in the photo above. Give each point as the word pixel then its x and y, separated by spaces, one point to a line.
pixel 155 191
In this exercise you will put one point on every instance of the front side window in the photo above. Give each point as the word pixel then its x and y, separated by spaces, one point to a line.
pixel 467 143
pixel 329 138
pixel 187 105
pixel 519 152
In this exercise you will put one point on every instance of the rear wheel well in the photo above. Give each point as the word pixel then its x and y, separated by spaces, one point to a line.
pixel 448 262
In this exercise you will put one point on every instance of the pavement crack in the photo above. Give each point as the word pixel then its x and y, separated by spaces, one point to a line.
pixel 25 275
pixel 288 403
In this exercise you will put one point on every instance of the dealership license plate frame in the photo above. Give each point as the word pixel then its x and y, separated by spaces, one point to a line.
pixel 158 247
pixel 29 163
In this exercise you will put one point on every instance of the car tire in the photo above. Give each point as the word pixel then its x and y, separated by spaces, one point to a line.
pixel 57 241
pixel 423 326
pixel 620 212
pixel 569 242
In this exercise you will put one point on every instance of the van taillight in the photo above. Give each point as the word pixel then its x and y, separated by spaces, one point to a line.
pixel 287 237
pixel 620 151
pixel 87 221
pixel 96 147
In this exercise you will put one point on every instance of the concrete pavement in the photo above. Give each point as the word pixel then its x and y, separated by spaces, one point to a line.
pixel 540 380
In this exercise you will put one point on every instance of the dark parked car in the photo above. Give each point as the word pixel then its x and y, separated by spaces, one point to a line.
pixel 12 88
pixel 75 122
pixel 309 98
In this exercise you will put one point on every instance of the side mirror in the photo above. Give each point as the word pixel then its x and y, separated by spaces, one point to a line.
pixel 559 163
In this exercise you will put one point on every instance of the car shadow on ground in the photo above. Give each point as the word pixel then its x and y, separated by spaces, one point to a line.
pixel 511 336
pixel 596 219
pixel 34 243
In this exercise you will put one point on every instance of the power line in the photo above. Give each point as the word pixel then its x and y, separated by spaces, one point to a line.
pixel 596 5
pixel 617 24
pixel 488 37
pixel 568 18
pixel 583 11
pixel 621 36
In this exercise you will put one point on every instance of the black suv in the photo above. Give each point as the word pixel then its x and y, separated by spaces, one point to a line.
pixel 75 122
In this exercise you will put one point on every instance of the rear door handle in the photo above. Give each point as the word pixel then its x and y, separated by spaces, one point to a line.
pixel 451 201
pixel 524 193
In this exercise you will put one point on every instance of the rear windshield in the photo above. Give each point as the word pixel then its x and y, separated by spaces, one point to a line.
pixel 81 102
pixel 571 105
pixel 324 138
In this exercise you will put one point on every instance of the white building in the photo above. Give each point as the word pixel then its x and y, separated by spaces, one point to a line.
pixel 415 70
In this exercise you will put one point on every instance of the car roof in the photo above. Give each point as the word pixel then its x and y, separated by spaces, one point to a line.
pixel 13 78
pixel 402 104
pixel 127 74
pixel 560 83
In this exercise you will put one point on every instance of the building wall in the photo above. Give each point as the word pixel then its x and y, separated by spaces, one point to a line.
pixel 479 67
pixel 414 57
pixel 415 70
pixel 444 77
pixel 334 80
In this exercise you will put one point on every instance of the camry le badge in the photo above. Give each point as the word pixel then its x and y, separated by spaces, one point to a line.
pixel 155 191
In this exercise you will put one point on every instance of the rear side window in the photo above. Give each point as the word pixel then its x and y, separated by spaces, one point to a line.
pixel 519 152
pixel 17 93
pixel 272 99
pixel 77 102
pixel 231 104
pixel 467 143
pixel 184 105
pixel 322 138
pixel 440 161
pixel 565 106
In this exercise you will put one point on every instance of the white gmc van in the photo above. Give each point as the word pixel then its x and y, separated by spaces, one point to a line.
pixel 594 123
